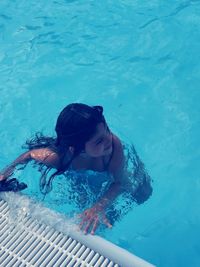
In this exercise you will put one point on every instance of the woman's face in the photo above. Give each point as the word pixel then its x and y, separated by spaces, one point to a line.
pixel 101 143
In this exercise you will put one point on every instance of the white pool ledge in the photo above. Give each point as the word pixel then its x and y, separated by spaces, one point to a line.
pixel 43 238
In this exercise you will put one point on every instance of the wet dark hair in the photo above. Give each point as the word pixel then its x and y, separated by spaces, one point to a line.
pixel 76 124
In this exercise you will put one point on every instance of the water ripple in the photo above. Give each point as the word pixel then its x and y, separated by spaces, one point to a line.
pixel 164 58
pixel 180 8
pixel 138 59
pixel 5 17
pixel 148 23
pixel 175 12
pixel 32 28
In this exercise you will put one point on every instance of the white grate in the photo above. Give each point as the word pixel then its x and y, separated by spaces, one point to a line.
pixel 38 245
pixel 45 240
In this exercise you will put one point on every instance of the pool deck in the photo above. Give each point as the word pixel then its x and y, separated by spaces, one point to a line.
pixel 28 241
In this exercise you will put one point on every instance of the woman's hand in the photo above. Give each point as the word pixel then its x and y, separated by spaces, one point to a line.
pixel 6 173
pixel 92 217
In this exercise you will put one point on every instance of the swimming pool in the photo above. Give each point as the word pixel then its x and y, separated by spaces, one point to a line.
pixel 140 61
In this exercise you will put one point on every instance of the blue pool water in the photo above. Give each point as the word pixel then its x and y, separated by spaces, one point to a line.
pixel 138 59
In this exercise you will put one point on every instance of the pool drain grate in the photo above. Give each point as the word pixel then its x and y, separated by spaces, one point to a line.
pixel 38 245
pixel 25 241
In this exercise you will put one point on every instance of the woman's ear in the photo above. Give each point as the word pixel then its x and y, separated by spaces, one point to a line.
pixel 71 149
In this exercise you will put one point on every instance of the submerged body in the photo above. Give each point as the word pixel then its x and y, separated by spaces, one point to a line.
pixel 101 151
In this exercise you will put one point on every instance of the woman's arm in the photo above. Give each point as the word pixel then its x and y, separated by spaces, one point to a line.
pixel 91 217
pixel 116 169
pixel 42 155
pixel 8 171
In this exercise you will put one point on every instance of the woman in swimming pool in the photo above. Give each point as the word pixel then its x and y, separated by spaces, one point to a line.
pixel 84 142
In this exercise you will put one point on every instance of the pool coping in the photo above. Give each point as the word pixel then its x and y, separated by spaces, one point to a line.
pixel 114 253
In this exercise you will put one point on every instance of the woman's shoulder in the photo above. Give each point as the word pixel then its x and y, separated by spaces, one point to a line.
pixel 117 161
pixel 46 156
pixel 117 142
pixel 117 148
